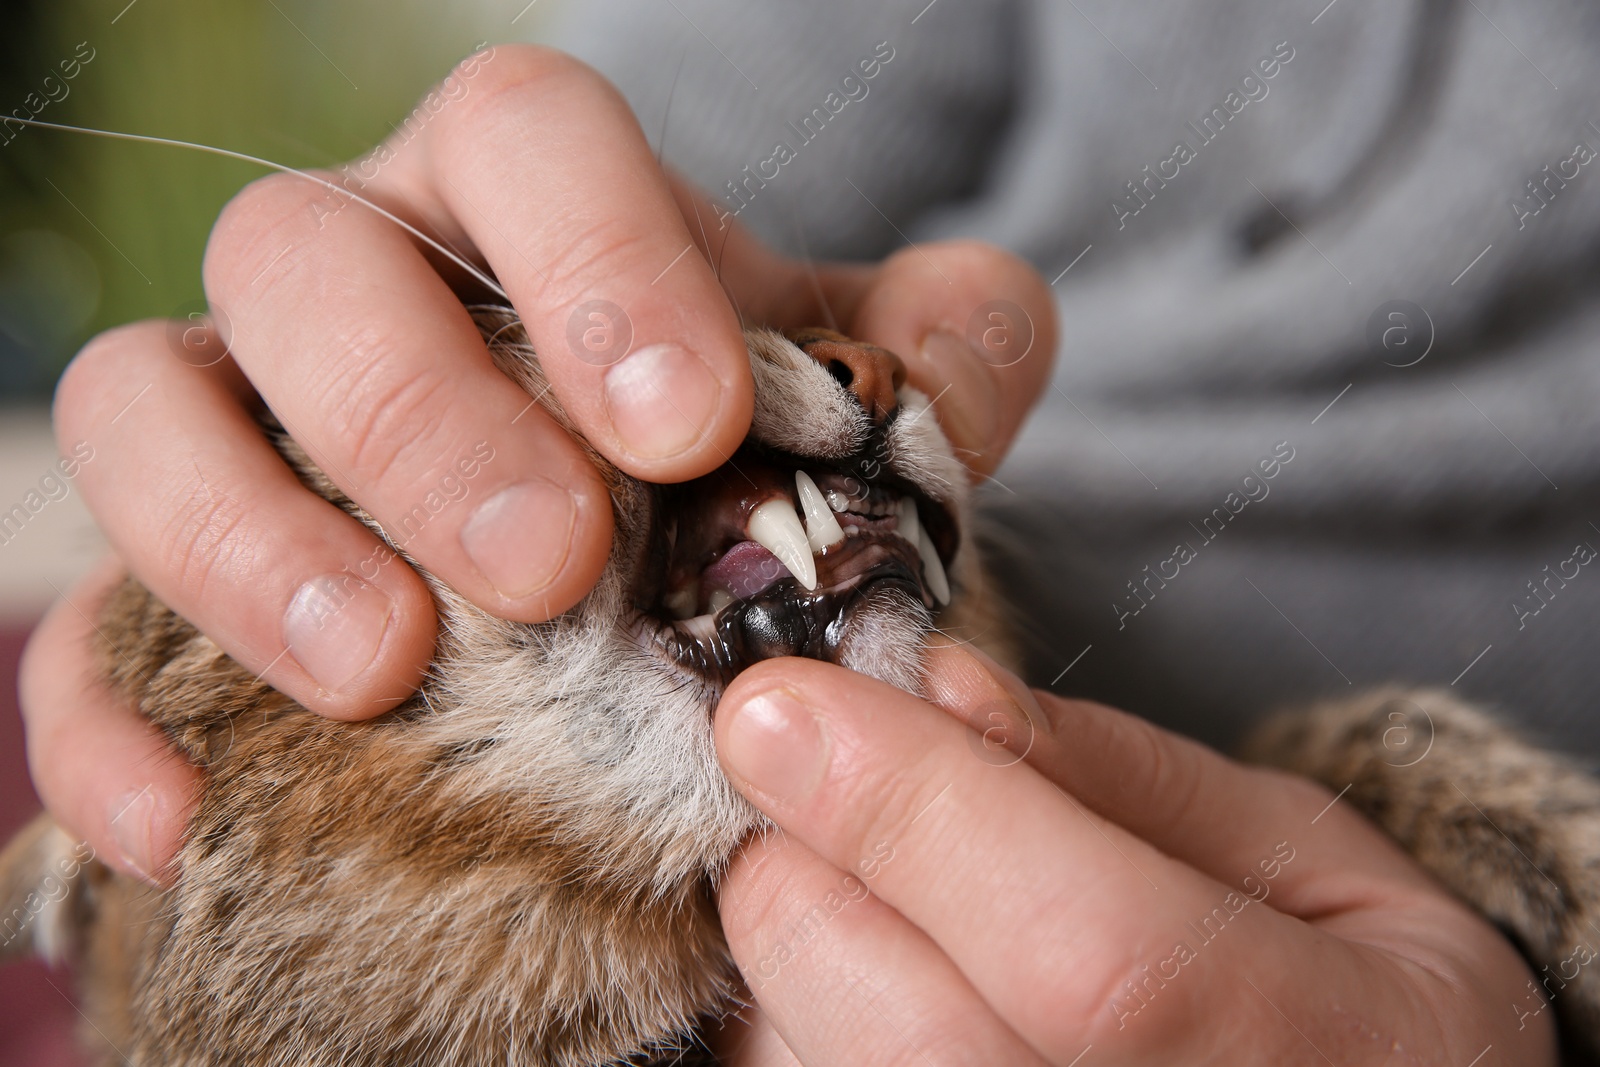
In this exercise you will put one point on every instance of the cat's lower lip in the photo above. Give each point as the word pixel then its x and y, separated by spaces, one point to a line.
pixel 787 620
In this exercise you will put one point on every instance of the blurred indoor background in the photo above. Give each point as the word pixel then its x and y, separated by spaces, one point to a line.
pixel 96 232
pixel 1405 543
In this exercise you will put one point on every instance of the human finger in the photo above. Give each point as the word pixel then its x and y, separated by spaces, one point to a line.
pixel 105 773
pixel 976 328
pixel 1187 800
pixel 1092 912
pixel 211 519
pixel 840 976
pixel 373 365
pixel 542 166
pixel 974 324
pixel 748 1039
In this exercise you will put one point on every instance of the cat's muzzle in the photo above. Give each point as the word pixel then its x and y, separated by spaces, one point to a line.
pixel 771 555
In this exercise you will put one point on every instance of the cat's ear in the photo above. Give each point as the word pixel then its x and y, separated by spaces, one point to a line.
pixel 42 870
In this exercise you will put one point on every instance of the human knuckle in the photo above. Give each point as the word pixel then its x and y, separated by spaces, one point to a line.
pixel 1095 1002
pixel 256 230
pixel 877 811
pixel 85 389
pixel 1088 998
pixel 603 248
pixel 378 417
pixel 1169 776
pixel 522 74
pixel 206 540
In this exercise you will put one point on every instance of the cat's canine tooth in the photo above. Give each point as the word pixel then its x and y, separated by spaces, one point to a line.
pixel 701 627
pixel 775 527
pixel 910 527
pixel 719 599
pixel 938 581
pixel 822 529
pixel 907 525
pixel 681 602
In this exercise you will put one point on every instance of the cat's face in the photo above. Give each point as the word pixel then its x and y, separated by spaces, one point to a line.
pixel 833 533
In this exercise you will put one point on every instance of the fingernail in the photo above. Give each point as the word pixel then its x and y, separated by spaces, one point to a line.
pixel 130 820
pixel 660 399
pixel 334 627
pixel 777 745
pixel 969 410
pixel 520 537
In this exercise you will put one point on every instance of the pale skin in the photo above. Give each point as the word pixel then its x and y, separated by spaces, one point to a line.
pixel 1018 887
pixel 340 323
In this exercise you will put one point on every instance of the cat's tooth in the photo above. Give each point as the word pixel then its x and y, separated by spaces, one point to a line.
pixel 938 581
pixel 701 627
pixel 719 599
pixel 908 525
pixel 775 527
pixel 681 602
pixel 822 529
pixel 837 500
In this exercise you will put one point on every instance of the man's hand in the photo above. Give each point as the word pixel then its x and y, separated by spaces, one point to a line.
pixel 1015 878
pixel 345 329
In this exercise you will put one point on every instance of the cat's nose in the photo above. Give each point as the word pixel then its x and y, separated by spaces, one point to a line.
pixel 871 374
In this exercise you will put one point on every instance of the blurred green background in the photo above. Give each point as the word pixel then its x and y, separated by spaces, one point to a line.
pixel 95 232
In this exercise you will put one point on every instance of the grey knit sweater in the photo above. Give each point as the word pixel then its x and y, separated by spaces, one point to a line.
pixel 1352 244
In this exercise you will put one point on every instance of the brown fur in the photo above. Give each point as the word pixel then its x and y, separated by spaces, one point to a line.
pixel 300 811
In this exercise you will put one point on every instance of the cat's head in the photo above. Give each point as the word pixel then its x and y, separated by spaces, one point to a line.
pixel 834 532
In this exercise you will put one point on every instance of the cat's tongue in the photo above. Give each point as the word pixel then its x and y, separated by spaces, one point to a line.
pixel 745 570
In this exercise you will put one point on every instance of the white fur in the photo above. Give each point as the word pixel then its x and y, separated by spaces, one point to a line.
pixel 920 452
pixel 799 407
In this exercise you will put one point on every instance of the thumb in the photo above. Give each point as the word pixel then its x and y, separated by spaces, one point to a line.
pixel 974 324
pixel 976 327
pixel 1221 817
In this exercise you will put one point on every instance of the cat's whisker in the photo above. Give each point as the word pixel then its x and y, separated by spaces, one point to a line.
pixel 227 153
pixel 722 250
pixel 666 112
pixel 705 241
pixel 953 639
pixel 811 268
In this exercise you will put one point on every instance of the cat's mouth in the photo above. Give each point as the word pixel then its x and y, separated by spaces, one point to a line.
pixel 773 555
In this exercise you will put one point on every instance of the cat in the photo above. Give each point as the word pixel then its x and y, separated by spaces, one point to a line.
pixel 517 864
